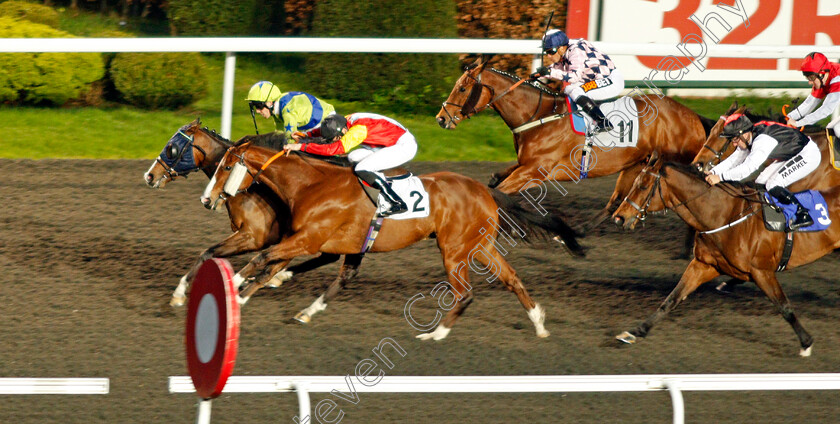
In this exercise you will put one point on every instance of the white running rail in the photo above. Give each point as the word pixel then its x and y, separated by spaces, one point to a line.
pixel 54 386
pixel 674 383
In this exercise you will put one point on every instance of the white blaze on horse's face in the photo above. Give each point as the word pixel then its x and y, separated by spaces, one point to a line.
pixel 235 178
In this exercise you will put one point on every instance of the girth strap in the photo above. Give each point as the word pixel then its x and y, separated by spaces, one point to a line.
pixel 373 231
pixel 786 251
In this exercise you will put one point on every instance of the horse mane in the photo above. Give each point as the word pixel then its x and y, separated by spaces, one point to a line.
pixel 213 134
pixel 745 188
pixel 273 140
pixel 533 84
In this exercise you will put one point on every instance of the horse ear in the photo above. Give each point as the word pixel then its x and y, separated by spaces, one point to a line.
pixel 732 108
pixel 196 122
pixel 653 158
pixel 484 60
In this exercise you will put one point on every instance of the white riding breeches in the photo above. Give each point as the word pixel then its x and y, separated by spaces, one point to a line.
pixel 792 170
pixel 369 158
pixel 834 125
pixel 599 89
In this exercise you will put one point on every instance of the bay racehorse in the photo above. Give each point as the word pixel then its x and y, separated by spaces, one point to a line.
pixel 258 217
pixel 330 213
pixel 664 125
pixel 731 237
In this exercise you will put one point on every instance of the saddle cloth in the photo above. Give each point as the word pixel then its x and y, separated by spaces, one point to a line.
pixel 621 113
pixel 811 199
pixel 411 190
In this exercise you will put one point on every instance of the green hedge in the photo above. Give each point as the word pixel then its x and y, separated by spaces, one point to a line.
pixel 409 81
pixel 212 17
pixel 38 78
pixel 32 12
pixel 159 80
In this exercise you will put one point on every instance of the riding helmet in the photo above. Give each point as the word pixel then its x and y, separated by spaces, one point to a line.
pixel 815 63
pixel 735 125
pixel 332 126
pixel 263 91
pixel 555 38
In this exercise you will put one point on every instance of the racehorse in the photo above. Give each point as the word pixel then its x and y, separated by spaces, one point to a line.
pixel 731 237
pixel 258 218
pixel 330 213
pixel 552 150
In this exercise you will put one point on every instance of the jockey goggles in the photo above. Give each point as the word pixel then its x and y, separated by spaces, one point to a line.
pixel 550 51
pixel 256 105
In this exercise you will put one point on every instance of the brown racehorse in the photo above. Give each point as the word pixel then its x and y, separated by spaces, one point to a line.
pixel 330 213
pixel 665 126
pixel 741 247
pixel 258 218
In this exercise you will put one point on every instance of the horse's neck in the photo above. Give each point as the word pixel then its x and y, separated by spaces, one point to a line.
pixel 520 104
pixel 214 150
pixel 291 176
pixel 701 207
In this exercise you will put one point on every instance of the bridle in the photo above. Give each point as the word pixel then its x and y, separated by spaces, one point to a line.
pixel 469 107
pixel 170 171
pixel 240 169
pixel 657 187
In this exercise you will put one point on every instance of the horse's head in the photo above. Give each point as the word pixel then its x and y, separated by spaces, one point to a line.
pixel 716 147
pixel 644 196
pixel 238 169
pixel 191 148
pixel 465 96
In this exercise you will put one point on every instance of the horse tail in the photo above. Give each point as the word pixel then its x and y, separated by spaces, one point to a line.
pixel 534 224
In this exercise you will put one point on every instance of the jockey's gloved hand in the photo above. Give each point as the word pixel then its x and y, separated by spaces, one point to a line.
pixel 542 71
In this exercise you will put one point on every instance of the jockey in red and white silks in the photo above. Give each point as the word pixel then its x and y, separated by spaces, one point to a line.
pixel 373 142
pixel 824 77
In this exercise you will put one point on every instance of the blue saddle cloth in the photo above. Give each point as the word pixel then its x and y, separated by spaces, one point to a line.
pixel 812 200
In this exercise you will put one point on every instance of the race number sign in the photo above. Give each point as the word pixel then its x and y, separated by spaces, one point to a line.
pixel 212 328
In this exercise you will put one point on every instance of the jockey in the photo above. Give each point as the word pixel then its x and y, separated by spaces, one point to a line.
pixel 824 78
pixel 374 143
pixel 793 154
pixel 293 111
pixel 590 74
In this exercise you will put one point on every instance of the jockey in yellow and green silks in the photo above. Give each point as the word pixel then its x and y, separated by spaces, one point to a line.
pixel 293 111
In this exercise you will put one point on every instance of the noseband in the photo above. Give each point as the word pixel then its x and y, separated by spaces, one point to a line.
pixel 468 108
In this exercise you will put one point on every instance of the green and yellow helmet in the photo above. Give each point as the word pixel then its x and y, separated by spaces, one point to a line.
pixel 263 91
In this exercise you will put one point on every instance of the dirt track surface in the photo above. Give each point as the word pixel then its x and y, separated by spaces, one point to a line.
pixel 90 257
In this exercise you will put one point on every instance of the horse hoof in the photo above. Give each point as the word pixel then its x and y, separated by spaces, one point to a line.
pixel 543 334
pixel 724 288
pixel 805 352
pixel 279 278
pixel 177 301
pixel 424 336
pixel 241 300
pixel 303 318
pixel 626 337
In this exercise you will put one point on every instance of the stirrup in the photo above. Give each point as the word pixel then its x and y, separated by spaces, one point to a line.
pixel 796 223
pixel 395 209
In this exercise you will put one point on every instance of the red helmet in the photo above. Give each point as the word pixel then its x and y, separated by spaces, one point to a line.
pixel 815 62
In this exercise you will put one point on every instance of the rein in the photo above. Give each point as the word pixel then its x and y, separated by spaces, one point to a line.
pixel 171 173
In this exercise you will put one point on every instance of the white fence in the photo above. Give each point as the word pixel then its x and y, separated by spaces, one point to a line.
pixel 54 386
pixel 673 383
pixel 230 45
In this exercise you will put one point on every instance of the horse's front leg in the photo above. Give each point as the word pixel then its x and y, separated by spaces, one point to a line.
pixel 299 244
pixel 284 275
pixel 234 244
pixel 622 187
pixel 500 176
pixel 348 271
pixel 695 275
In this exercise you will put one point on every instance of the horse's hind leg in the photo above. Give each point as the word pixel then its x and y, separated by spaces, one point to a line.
pixel 505 272
pixel 348 271
pixel 694 276
pixel 458 273
pixel 767 282
pixel 500 176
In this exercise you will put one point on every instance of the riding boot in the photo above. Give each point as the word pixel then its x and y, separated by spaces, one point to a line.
pixel 594 112
pixel 802 218
pixel 836 144
pixel 395 202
